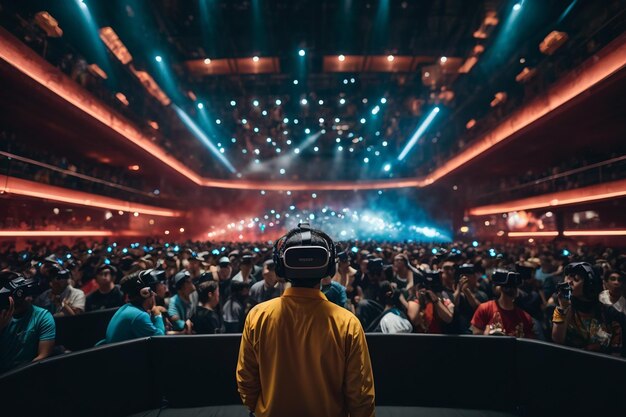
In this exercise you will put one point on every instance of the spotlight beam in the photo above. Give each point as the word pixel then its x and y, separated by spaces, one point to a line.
pixel 202 137
pixel 418 133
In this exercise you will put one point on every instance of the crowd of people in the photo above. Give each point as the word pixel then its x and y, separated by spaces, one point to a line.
pixel 573 297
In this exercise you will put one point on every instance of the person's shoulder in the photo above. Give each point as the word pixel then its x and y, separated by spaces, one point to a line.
pixel 76 291
pixel 487 305
pixel 257 285
pixel 42 313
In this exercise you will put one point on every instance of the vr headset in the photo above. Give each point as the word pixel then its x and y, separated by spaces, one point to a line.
pixel 307 260
pixel 17 287
pixel 431 280
pixel 504 278
pixel 465 269
pixel 375 266
pixel 592 284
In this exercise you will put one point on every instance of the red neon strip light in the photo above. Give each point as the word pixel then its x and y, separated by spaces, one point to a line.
pixel 594 70
pixel 580 195
pixel 55 233
pixel 38 190
pixel 594 233
pixel 533 234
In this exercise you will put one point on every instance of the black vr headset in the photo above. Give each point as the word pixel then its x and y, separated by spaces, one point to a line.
pixel 505 278
pixel 305 260
pixel 16 286
pixel 592 284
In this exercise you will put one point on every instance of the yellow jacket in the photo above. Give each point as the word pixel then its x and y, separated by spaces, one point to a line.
pixel 302 355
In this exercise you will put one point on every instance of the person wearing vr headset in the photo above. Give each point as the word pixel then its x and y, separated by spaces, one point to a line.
pixel 502 317
pixel 27 332
pixel 581 320
pixel 108 295
pixel 183 305
pixel 140 317
pixel 285 339
pixel 62 299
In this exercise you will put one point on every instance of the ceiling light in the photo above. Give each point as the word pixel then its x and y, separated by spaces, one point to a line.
pixel 200 106
pixel 517 6
pixel 301 52
pixel 158 58
pixel 443 59
pixel 390 58
pixel 341 58
pixel 255 59
pixel 207 61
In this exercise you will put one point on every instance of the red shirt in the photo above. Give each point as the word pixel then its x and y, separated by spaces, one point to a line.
pixel 516 322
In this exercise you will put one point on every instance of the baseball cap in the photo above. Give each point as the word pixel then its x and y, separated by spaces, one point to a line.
pixel 180 277
pixel 224 260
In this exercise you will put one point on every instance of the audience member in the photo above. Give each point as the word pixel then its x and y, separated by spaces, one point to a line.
pixel 61 299
pixel 182 305
pixel 108 295
pixel 207 319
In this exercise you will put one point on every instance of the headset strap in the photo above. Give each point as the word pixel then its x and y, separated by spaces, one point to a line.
pixel 305 233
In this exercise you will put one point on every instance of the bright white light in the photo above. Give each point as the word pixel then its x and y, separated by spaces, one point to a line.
pixel 345 81
pixel 278 102
pixel 320 102
pixel 342 101
pixel 200 106
pixel 233 103
pixel 390 58
pixel 363 120
pixel 207 61
pixel 268 140
pixel 418 133
pixel 295 121
pixel 262 192
pixel 383 100
pixel 340 148
pixel 307 130
pixel 264 112
pixel 316 149
pixel 256 151
pixel 255 103
pixel 341 58
pixel 282 171
pixel 321 120
pixel 443 59
pixel 366 160
pixel 338 140
pixel 304 102
pixel 244 121
pixel 352 80
pixel 218 121
pixel 277 150
pixel 255 59
pixel 375 110
pixel 233 140
pixel 288 141
pixel 256 130
pixel 156 58
pixel 337 120
pixel 387 167
pixel 302 52
pixel 222 150
pixel 314 195
pixel 296 151
pixel 286 120
pixel 517 6
pixel 295 82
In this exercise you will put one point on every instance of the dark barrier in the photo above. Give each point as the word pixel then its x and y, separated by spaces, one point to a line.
pixel 504 375
pixel 84 330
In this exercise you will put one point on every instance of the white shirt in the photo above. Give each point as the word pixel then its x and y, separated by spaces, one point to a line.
pixel 620 305
pixel 392 323
pixel 70 295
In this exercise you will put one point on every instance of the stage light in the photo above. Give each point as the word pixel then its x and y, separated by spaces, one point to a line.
pixel 278 102
pixel 366 160
pixel 207 61
pixel 316 149
pixel 264 112
pixel 307 130
pixel 200 106
pixel 443 59
pixel 233 140
pixel 337 120
pixel 200 135
pixel 363 120
pixel 314 196
pixel 286 120
pixel 304 102
pixel 255 58
pixel 295 82
pixel 387 167
pixel 418 133
pixel 341 58
pixel 352 80
pixel 244 121
pixel 364 101
pixel 383 100
pixel 321 120
pixel 268 140
pixel 288 142
pixel 282 171
pixel 296 121
pixel 320 102
pixel 517 6
pixel 302 52
pixel 233 103
pixel 256 151
pixel 385 143
pixel 345 81
pixel 390 58
pixel 256 130
pixel 296 151
pixel 277 150
pixel 218 121
pixel 255 103
pixel 158 58
pixel 338 140
pixel 340 148
pixel 375 110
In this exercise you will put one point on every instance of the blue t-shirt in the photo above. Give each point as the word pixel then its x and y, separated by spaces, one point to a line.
pixel 181 308
pixel 336 293
pixel 131 322
pixel 19 340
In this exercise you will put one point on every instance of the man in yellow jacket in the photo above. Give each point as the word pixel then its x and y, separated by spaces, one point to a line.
pixel 300 354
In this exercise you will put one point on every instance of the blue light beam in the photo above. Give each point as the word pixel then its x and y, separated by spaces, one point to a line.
pixel 199 134
pixel 418 133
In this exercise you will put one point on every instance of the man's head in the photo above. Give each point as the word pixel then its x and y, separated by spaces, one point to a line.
pixel 105 276
pixel 304 256
pixel 614 282
pixel 138 291
pixel 209 293
pixel 183 283
pixel 239 290
pixel 401 263
pixel 507 282
pixel 269 273
pixel 59 279
pixel 225 269
pixel 17 287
